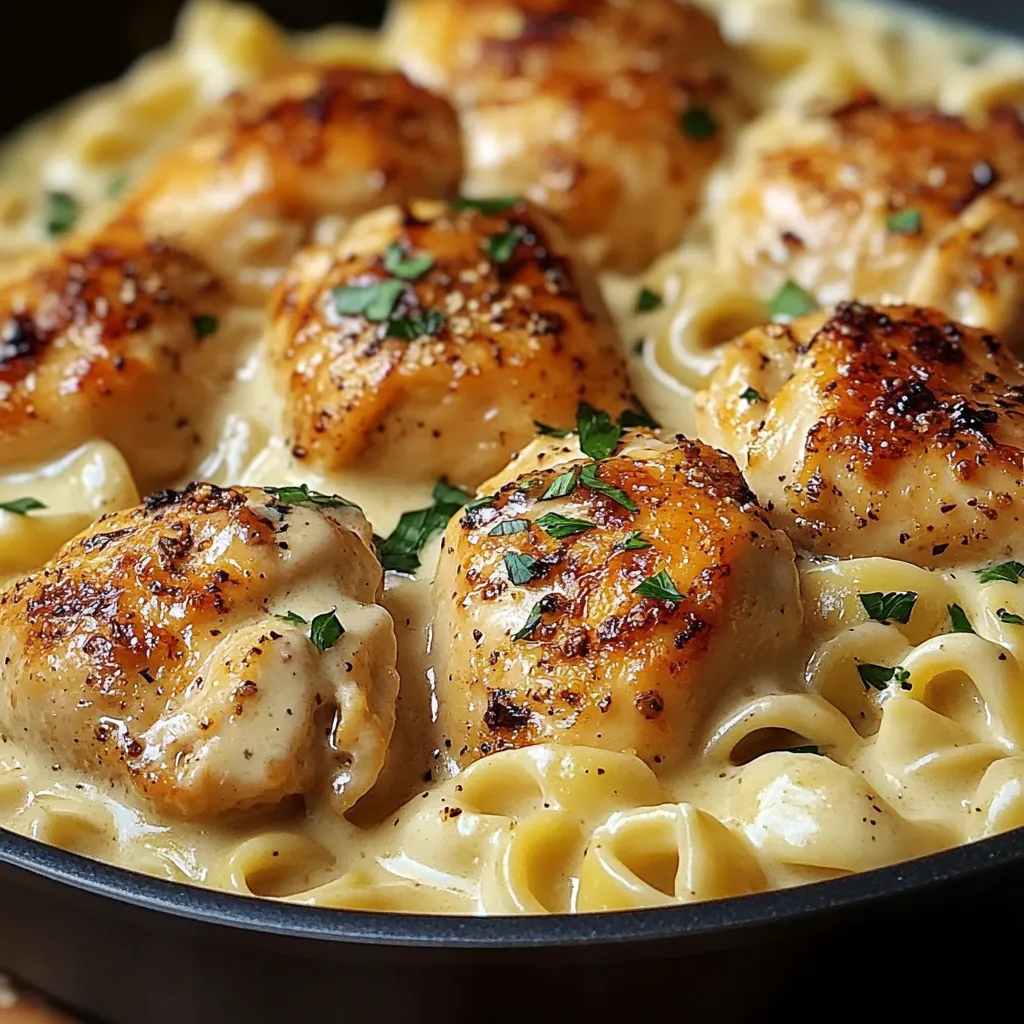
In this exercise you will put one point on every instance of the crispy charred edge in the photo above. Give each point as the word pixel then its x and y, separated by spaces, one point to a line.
pixel 77 287
pixel 931 342
pixel 340 93
pixel 198 497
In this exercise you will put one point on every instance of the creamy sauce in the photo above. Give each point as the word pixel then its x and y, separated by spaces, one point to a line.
pixel 914 772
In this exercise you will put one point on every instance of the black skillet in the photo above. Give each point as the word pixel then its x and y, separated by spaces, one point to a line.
pixel 126 949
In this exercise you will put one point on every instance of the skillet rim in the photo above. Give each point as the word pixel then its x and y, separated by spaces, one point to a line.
pixel 698 921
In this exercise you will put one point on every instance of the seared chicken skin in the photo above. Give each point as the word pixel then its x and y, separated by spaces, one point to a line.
pixel 245 189
pixel 112 337
pixel 152 649
pixel 429 340
pixel 465 47
pixel 872 203
pixel 543 633
pixel 604 112
pixel 889 431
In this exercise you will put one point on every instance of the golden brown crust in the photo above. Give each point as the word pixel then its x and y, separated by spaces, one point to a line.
pixel 604 664
pixel 521 335
pixel 887 431
pixel 93 344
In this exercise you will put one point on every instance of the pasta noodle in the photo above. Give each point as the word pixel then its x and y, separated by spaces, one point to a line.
pixel 804 770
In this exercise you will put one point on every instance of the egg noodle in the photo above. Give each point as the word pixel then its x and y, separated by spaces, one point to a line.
pixel 807 769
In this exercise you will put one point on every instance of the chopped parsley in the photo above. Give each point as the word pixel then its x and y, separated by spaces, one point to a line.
pixel 659 587
pixel 293 618
pixel 61 213
pixel 791 301
pixel 562 486
pixel 648 300
pixel 203 326
pixel 634 542
pixel 375 301
pixel 895 606
pixel 905 222
pixel 599 435
pixel 1004 616
pixel 958 619
pixel 509 527
pixel 429 323
pixel 501 248
pixel 878 677
pixel 638 417
pixel 116 186
pixel 302 495
pixel 399 264
pixel 487 206
pixel 399 552
pixel 699 124
pixel 477 503
pixel 522 568
pixel 546 431
pixel 1005 572
pixel 751 395
pixel 560 527
pixel 21 506
pixel 325 630
pixel 589 478
pixel 532 622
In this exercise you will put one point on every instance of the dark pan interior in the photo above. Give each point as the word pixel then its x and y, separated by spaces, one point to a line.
pixel 130 948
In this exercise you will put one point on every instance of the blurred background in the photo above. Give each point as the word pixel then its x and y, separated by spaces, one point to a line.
pixel 53 48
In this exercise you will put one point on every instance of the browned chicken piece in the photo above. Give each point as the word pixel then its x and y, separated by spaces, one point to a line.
pixel 873 203
pixel 245 190
pixel 464 47
pixel 111 337
pixel 889 431
pixel 605 112
pixel 608 604
pixel 429 340
pixel 152 650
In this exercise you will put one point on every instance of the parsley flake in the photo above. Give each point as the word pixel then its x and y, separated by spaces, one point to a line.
pixel 958 619
pixel 486 206
pixel 522 568
pixel 589 478
pixel 699 124
pixel 1005 572
pixel 417 325
pixel 791 301
pixel 648 300
pixel 116 186
pixel 878 677
pixel 1004 616
pixel 325 630
pixel 399 264
pixel 751 395
pixel 905 222
pixel 560 527
pixel 61 213
pixel 637 417
pixel 399 552
pixel 501 248
pixel 634 542
pixel 203 326
pixel 562 486
pixel 21 506
pixel 532 622
pixel 895 606
pixel 302 495
pixel 599 436
pixel 509 527
pixel 375 301
pixel 659 587
pixel 293 618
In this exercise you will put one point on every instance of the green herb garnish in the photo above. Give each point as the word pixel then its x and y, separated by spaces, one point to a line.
pixel 659 587
pixel 532 622
pixel 501 248
pixel 905 222
pixel 589 478
pixel 325 630
pixel 958 619
pixel 203 326
pixel 648 300
pixel 21 506
pixel 486 206
pixel 417 325
pixel 560 527
pixel 791 301
pixel 375 301
pixel 522 568
pixel 563 485
pixel 634 542
pixel 751 395
pixel 408 268
pixel 1004 616
pixel 699 124
pixel 509 527
pixel 399 552
pixel 637 417
pixel 599 436
pixel 294 618
pixel 879 677
pixel 302 495
pixel 61 213
pixel 116 186
pixel 1005 572
pixel 892 607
